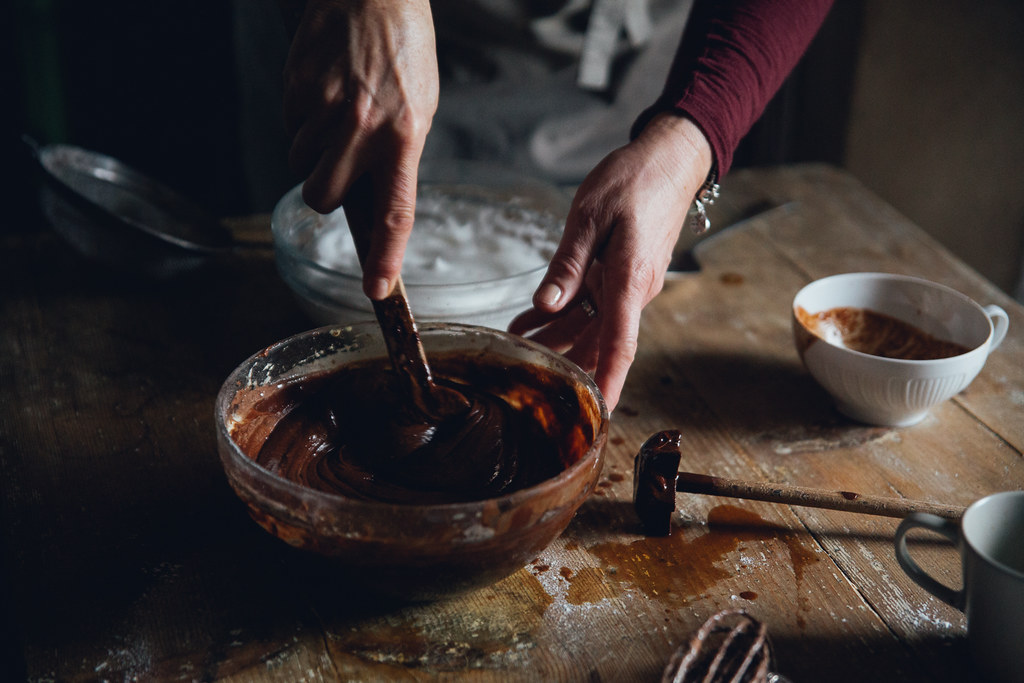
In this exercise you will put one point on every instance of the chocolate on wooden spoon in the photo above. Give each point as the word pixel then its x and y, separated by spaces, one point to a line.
pixel 438 423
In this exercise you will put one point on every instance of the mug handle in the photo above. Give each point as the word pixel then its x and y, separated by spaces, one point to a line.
pixel 940 525
pixel 1000 324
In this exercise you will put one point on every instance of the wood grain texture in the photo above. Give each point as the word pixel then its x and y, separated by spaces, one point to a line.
pixel 127 557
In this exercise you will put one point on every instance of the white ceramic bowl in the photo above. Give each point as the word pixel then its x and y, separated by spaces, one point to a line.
pixel 887 391
pixel 481 242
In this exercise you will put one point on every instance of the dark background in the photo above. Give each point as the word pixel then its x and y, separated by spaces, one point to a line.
pixel 922 100
pixel 151 84
pixel 159 85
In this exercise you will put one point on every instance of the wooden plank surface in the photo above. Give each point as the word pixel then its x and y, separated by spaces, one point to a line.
pixel 127 557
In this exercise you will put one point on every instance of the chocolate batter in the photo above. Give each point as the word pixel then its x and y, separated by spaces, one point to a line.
pixel 337 431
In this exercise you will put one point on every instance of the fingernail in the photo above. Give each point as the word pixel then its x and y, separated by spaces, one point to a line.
pixel 378 289
pixel 549 294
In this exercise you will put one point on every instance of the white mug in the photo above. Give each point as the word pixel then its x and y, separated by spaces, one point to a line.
pixel 990 538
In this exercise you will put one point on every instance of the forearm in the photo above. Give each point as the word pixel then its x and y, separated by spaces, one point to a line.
pixel 732 59
pixel 678 144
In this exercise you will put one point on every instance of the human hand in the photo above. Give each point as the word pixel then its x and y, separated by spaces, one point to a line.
pixel 361 89
pixel 613 255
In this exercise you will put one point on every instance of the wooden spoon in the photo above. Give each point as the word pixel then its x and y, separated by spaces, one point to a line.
pixel 429 403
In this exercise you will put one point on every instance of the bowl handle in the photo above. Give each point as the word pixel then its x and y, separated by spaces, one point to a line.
pixel 1000 324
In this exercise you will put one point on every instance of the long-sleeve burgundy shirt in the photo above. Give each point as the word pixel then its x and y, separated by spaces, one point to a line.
pixel 733 57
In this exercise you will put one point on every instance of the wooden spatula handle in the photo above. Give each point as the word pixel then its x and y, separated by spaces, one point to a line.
pixel 848 501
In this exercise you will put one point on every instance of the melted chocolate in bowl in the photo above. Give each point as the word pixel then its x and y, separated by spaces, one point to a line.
pixel 877 334
pixel 300 438
pixel 332 431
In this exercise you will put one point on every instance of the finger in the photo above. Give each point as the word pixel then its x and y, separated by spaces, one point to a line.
pixel 338 166
pixel 619 335
pixel 564 333
pixel 298 104
pixel 310 141
pixel 561 331
pixel 576 250
pixel 586 350
pixel 314 109
pixel 531 319
pixel 358 206
pixel 394 214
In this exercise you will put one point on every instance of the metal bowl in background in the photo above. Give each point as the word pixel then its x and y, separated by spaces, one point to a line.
pixel 122 218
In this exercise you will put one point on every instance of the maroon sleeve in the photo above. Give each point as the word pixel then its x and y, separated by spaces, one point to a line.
pixel 733 58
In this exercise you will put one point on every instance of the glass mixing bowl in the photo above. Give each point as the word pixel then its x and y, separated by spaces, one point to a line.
pixel 481 241
pixel 419 551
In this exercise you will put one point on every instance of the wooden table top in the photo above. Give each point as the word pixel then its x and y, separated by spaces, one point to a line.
pixel 125 555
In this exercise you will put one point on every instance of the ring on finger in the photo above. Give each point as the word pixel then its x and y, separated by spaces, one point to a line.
pixel 588 307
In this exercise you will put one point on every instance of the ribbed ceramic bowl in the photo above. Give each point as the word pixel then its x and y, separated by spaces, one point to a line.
pixel 407 550
pixel 887 391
